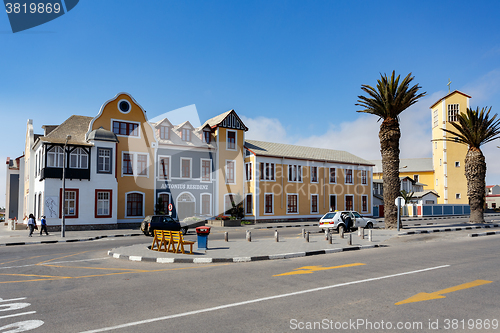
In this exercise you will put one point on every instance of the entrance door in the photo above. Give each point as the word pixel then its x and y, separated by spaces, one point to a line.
pixel 185 206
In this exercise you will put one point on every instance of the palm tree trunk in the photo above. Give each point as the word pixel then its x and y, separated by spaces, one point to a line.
pixel 475 172
pixel 389 135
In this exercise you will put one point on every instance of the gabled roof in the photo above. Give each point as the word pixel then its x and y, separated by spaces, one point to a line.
pixel 163 122
pixel 423 193
pixel 453 92
pixel 261 148
pixel 184 124
pixel 76 126
pixel 218 120
pixel 408 165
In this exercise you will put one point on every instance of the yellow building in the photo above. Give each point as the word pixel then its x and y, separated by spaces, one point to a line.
pixel 421 170
pixel 287 182
pixel 449 157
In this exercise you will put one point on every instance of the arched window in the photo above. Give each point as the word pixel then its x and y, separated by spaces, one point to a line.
pixel 55 157
pixel 135 204
pixel 78 159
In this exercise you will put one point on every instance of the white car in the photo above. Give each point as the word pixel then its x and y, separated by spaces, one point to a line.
pixel 336 221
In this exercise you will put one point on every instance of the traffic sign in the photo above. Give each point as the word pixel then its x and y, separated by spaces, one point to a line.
pixel 170 207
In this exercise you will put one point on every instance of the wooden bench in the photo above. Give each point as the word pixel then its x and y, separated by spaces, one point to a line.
pixel 178 239
pixel 170 241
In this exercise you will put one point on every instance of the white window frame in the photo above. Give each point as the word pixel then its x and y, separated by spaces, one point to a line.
pixel 110 159
pixel 345 176
pixel 248 171
pixel 185 134
pixel 201 170
pixel 234 172
pixel 364 175
pixel 345 201
pixel 295 169
pixel 311 174
pixel 317 204
pixel 165 130
pixel 330 200
pixel 435 118
pixel 58 157
pixel 298 206
pixel 79 153
pixel 330 175
pixel 272 203
pixel 453 111
pixel 135 172
pixel 210 203
pixel 103 200
pixel 190 167
pixel 457 164
pixel 143 204
pixel 245 204
pixel 235 140
pixel 160 169
pixel 416 178
pixel 367 203
pixel 458 196
pixel 169 199
pixel 272 175
pixel 75 200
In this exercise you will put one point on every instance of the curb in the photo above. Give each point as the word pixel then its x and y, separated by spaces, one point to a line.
pixel 239 259
pixel 289 226
pixel 448 229
pixel 68 240
pixel 485 234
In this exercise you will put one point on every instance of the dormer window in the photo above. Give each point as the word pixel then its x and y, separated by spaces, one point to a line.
pixel 206 136
pixel 164 132
pixel 55 157
pixel 231 140
pixel 78 159
pixel 186 135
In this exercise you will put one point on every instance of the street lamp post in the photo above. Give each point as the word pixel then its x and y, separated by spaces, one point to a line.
pixel 63 201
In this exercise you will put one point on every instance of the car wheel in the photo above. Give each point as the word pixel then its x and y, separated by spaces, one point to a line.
pixel 184 230
pixel 341 228
pixel 369 225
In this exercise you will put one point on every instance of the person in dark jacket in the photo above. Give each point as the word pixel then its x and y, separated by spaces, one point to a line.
pixel 44 226
pixel 31 224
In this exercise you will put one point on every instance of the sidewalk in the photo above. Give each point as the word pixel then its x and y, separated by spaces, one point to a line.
pixel 259 249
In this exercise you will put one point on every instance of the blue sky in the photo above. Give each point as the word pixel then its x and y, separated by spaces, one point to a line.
pixel 291 69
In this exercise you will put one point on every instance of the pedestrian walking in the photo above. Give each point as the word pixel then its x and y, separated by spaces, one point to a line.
pixel 31 224
pixel 43 222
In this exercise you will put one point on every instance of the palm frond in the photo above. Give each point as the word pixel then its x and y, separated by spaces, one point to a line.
pixel 475 128
pixel 390 97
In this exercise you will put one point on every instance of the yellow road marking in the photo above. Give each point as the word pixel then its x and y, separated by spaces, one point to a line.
pixel 131 271
pixel 70 255
pixel 312 269
pixel 47 276
pixel 438 294
pixel 9 262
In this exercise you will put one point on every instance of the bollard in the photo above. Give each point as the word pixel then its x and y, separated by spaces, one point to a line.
pixel 349 239
pixel 370 235
pixel 341 232
pixel 307 236
pixel 359 232
pixel 276 236
pixel 326 234
pixel 362 233
pixel 303 232
pixel 329 238
pixel 226 237
pixel 249 236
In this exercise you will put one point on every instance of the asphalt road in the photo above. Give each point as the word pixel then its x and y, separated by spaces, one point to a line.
pixel 76 287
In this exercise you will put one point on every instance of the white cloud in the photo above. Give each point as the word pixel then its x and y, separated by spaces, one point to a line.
pixel 484 88
pixel 266 129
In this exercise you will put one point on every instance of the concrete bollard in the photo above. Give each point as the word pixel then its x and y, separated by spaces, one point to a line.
pixel 359 232
pixel 303 232
pixel 341 233
pixel 276 236
pixel 326 234
pixel 370 235
pixel 226 236
pixel 249 236
pixel 307 236
pixel 329 238
pixel 362 233
pixel 349 239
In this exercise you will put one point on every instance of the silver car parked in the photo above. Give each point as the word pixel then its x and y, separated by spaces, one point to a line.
pixel 337 221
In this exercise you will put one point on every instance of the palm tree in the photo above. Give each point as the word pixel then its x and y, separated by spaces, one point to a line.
pixel 387 101
pixel 475 128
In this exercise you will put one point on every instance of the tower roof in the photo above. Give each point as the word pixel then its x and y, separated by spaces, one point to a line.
pixel 453 92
